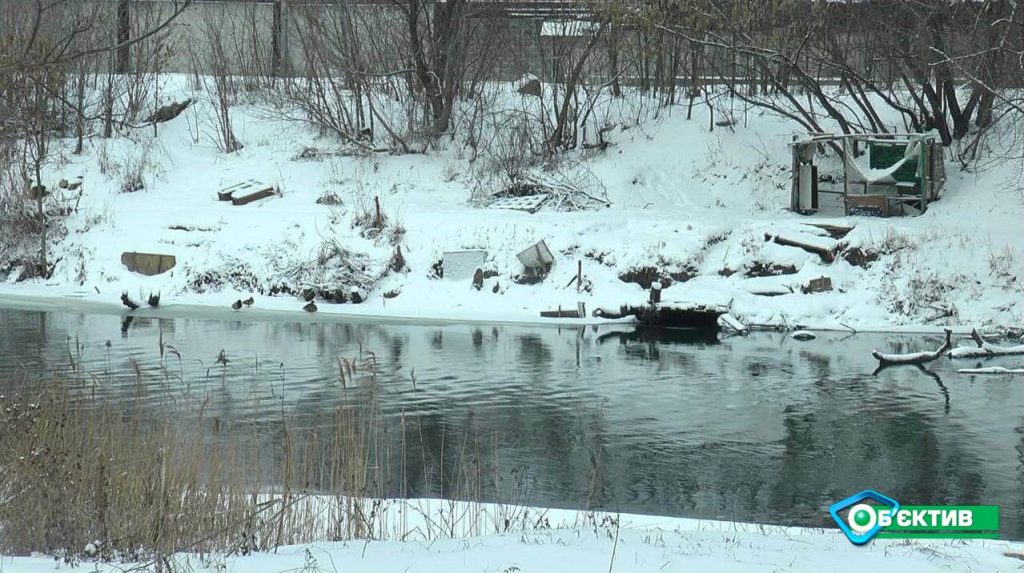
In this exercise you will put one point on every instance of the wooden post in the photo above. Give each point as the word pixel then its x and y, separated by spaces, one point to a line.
pixel 922 170
pixel 655 297
pixel 794 200
pixel 846 177
pixel 579 276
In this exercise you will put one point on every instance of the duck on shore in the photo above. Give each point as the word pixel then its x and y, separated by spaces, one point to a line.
pixel 310 307
pixel 125 300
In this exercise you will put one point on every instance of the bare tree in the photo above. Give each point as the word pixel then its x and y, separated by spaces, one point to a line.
pixel 49 32
pixel 437 36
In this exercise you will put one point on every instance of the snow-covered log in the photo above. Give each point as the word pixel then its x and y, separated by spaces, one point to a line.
pixel 824 247
pixel 991 370
pixel 623 312
pixel 916 357
pixel 984 349
pixel 731 322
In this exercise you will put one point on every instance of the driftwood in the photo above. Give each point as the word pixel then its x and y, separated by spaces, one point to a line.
pixel 992 370
pixel 984 349
pixel 916 358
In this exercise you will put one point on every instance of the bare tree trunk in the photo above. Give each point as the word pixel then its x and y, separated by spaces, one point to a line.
pixel 124 26
pixel 571 83
pixel 276 40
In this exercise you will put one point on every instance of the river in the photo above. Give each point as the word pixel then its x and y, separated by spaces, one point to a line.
pixel 761 428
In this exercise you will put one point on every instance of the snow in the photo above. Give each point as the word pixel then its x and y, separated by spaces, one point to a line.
pixel 730 321
pixel 986 350
pixel 684 200
pixel 991 370
pixel 581 541
pixel 805 238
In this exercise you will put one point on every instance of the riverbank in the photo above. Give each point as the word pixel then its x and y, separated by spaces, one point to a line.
pixel 688 207
pixel 585 542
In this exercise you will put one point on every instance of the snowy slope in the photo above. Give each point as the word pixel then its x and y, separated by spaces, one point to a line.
pixel 684 201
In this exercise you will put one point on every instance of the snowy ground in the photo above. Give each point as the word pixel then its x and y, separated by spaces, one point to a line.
pixel 685 201
pixel 565 540
pixel 571 541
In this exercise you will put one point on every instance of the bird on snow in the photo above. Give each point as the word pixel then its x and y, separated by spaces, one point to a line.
pixel 248 301
pixel 311 307
pixel 128 302
pixel 237 305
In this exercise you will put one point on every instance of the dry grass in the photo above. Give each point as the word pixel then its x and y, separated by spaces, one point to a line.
pixel 77 474
pixel 87 478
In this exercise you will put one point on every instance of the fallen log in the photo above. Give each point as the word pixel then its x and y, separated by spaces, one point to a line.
pixel 991 370
pixel 984 349
pixel 916 358
pixel 824 247
pixel 834 231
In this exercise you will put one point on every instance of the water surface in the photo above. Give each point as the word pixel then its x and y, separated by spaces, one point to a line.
pixel 761 428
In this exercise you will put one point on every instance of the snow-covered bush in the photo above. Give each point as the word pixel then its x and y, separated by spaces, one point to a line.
pixel 20 219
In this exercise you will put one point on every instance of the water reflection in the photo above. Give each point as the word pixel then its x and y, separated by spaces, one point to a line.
pixel 670 422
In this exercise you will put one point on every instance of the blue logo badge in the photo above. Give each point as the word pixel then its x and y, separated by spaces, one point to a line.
pixel 862 521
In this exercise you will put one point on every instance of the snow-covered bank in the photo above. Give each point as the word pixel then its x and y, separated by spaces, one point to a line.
pixel 585 542
pixel 689 207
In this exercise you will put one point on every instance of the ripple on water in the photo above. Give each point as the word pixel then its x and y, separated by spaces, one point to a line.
pixel 759 427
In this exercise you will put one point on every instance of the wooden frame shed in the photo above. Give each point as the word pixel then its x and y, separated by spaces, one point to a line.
pixel 903 172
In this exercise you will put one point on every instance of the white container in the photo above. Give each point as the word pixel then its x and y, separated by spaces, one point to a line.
pixel 537 257
pixel 461 265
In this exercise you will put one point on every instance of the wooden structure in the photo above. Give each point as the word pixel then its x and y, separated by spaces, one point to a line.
pixel 904 172
pixel 670 314
pixel 253 191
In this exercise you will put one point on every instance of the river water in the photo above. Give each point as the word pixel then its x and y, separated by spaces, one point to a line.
pixel 761 428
